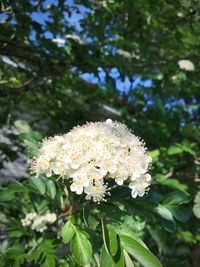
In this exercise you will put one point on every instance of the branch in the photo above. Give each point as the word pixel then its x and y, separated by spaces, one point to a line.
pixel 37 3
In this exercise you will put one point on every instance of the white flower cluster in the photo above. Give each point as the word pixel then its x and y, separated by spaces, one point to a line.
pixel 92 154
pixel 38 222
pixel 186 64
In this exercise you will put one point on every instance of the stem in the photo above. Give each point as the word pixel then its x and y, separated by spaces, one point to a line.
pixel 104 237
pixel 96 257
pixel 85 221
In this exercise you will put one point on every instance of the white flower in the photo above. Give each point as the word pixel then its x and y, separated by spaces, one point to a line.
pixel 38 222
pixel 50 217
pixel 120 180
pixel 25 222
pixel 28 219
pixel 78 184
pixel 31 216
pixel 93 154
pixel 186 64
pixel 140 185
pixel 180 14
pixel 96 191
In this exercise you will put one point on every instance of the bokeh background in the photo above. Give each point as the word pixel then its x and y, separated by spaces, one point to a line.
pixel 65 62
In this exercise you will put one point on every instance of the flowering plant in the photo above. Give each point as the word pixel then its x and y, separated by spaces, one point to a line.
pixel 94 154
pixel 85 203
pixel 92 160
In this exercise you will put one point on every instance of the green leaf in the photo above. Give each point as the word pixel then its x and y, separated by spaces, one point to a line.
pixel 181 213
pixel 159 235
pixel 128 260
pixel 197 198
pixel 187 237
pixel 37 136
pixel 173 183
pixel 81 248
pixel 28 137
pixel 186 146
pixel 108 260
pixel 51 188
pixel 112 240
pixel 68 232
pixel 153 197
pixel 139 252
pixel 16 187
pixel 154 154
pixel 196 208
pixel 122 229
pixel 91 220
pixel 119 257
pixel 175 149
pixel 164 212
pixel 170 226
pixel 32 148
pixel 6 195
pixel 112 211
pixel 23 126
pixel 49 261
pixel 175 198
pixel 15 233
pixel 38 184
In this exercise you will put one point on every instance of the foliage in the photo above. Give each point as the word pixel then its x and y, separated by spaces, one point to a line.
pixel 131 49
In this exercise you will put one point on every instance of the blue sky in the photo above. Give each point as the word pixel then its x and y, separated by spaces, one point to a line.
pixel 123 84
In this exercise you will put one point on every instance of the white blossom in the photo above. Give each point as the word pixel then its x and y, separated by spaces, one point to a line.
pixel 180 14
pixel 38 222
pixel 186 64
pixel 78 184
pixel 96 191
pixel 140 185
pixel 89 156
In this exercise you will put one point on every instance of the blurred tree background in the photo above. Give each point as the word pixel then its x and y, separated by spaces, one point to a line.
pixel 63 63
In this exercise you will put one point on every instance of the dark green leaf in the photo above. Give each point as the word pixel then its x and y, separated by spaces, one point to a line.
pixel 6 195
pixel 17 187
pixel 175 198
pixel 173 183
pixel 51 188
pixel 15 233
pixel 181 213
pixel 38 184
pixel 170 226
